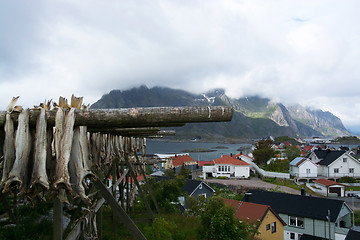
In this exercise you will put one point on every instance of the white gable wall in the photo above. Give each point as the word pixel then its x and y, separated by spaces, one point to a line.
pixel 339 168
pixel 308 169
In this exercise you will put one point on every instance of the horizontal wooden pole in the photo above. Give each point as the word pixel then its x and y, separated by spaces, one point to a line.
pixel 133 132
pixel 138 117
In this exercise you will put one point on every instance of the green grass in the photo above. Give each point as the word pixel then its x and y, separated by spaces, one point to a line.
pixel 170 226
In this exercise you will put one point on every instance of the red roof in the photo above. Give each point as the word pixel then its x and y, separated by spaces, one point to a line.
pixel 250 211
pixel 204 163
pixel 308 148
pixel 302 153
pixel 327 183
pixel 181 160
pixel 226 159
pixel 239 155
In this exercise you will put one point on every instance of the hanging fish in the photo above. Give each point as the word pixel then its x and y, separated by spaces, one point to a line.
pixel 8 148
pixel 18 173
pixel 78 166
pixel 63 149
pixel 39 178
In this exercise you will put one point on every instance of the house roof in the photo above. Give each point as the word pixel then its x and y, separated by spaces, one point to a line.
pixel 296 161
pixel 251 211
pixel 298 205
pixel 180 160
pixel 240 154
pixel 327 183
pixel 190 185
pixel 311 237
pixel 308 148
pixel 299 160
pixel 204 163
pixel 353 235
pixel 226 159
pixel 327 156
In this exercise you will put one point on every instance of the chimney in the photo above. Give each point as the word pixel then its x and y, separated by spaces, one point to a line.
pixel 247 197
pixel 230 154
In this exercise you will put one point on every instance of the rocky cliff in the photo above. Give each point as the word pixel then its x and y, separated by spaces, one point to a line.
pixel 254 116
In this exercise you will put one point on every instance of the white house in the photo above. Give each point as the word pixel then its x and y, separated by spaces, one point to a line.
pixel 335 164
pixel 227 166
pixel 326 186
pixel 303 168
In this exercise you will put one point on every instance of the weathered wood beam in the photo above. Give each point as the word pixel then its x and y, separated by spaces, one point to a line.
pixel 134 132
pixel 137 117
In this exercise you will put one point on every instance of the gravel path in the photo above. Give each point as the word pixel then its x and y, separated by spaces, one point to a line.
pixel 252 183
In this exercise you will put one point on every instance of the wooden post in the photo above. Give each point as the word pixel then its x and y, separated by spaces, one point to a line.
pixel 141 192
pixel 148 185
pixel 128 222
pixel 99 222
pixel 58 224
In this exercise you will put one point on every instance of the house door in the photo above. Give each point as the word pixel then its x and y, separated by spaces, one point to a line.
pixel 335 190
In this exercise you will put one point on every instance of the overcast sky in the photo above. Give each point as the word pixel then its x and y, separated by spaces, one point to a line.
pixel 305 52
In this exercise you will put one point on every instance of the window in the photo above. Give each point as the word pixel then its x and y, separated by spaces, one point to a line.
pixel 202 194
pixel 219 168
pixel 273 227
pixel 267 227
pixel 296 221
pixel 308 170
pixel 292 235
pixel 351 170
pixel 336 170
pixel 344 159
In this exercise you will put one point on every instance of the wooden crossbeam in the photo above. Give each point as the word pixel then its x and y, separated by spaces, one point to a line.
pixel 137 117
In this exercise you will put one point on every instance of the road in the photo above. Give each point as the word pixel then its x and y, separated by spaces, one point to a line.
pixel 253 183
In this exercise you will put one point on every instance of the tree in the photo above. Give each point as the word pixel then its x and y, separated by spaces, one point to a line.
pixel 292 152
pixel 218 222
pixel 263 152
pixel 184 172
pixel 166 193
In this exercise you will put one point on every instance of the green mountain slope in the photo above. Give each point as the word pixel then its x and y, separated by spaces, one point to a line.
pixel 254 116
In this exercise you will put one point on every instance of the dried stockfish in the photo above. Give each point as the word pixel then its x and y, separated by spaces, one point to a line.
pixel 143 146
pixel 95 150
pixel 18 173
pixel 39 178
pixel 8 149
pixel 10 107
pixel 63 150
pixel 78 166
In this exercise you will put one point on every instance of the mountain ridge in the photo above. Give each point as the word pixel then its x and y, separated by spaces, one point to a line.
pixel 254 116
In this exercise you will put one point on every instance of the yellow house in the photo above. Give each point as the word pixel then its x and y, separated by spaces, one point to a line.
pixel 269 224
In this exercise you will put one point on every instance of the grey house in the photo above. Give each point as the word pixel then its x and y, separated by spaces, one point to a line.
pixel 193 188
pixel 306 214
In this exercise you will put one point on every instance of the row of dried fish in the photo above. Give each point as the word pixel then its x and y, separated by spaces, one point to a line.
pixel 58 159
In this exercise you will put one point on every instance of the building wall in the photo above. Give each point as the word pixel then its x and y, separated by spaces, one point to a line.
pixel 242 171
pixel 307 165
pixel 313 227
pixel 270 218
pixel 343 167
